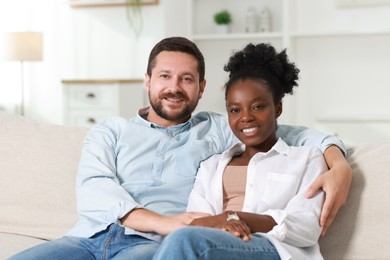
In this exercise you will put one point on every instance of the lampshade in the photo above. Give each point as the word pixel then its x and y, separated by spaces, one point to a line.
pixel 21 46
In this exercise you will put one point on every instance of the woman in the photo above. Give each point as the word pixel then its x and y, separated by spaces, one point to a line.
pixel 255 191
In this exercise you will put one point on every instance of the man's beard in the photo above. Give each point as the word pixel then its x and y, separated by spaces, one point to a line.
pixel 181 115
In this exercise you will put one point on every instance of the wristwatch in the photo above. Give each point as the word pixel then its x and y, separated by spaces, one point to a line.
pixel 231 215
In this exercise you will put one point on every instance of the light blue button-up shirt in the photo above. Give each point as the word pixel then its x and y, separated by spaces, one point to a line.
pixel 128 164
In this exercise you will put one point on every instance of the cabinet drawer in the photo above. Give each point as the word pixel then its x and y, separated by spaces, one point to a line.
pixel 101 96
pixel 87 118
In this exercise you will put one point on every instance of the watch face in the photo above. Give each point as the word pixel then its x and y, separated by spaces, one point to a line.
pixel 232 216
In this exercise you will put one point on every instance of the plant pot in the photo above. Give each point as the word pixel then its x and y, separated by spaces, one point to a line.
pixel 222 28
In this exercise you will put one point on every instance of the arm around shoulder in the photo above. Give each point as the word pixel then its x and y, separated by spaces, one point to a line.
pixel 300 135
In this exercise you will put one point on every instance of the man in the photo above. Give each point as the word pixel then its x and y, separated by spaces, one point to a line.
pixel 135 175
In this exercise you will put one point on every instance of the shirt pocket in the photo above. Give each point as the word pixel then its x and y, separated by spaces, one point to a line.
pixel 188 159
pixel 279 189
pixel 136 188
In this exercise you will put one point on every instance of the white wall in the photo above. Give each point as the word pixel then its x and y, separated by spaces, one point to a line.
pixel 342 53
pixel 10 71
pixel 341 77
pixel 317 15
pixel 41 79
pixel 79 43
pixel 344 85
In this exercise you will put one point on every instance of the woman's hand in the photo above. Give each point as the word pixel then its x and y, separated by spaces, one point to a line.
pixel 237 228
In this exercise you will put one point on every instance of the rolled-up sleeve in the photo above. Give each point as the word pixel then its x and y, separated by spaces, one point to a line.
pixel 298 223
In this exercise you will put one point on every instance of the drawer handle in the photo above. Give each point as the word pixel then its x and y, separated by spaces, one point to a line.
pixel 90 95
pixel 91 120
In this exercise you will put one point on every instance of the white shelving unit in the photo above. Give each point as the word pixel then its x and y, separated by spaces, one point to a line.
pixel 342 53
pixel 218 47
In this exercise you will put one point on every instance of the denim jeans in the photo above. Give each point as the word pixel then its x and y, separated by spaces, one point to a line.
pixel 195 243
pixel 111 243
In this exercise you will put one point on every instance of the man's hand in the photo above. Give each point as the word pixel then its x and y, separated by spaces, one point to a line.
pixel 144 220
pixel 169 224
pixel 335 182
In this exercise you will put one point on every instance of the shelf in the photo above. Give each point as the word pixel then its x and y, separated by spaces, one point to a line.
pixel 237 36
pixel 337 34
pixel 354 120
pixel 279 35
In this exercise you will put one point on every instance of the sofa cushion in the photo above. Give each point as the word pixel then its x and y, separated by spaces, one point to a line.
pixel 37 187
pixel 362 224
pixel 11 244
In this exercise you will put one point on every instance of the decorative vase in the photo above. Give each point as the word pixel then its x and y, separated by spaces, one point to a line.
pixel 265 20
pixel 251 20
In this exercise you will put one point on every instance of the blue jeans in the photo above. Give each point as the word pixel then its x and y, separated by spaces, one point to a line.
pixel 111 243
pixel 195 243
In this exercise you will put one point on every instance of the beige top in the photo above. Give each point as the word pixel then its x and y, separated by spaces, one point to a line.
pixel 234 181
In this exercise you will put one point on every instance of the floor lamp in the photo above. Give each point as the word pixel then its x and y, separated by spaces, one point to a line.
pixel 22 46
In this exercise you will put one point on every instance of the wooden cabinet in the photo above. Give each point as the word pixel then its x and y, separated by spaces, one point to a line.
pixel 87 102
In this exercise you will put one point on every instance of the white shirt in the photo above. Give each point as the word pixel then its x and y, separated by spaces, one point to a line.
pixel 276 184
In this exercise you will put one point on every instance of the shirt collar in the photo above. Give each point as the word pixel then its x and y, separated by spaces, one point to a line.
pixel 280 147
pixel 142 118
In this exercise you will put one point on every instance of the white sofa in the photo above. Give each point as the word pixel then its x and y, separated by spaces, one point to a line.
pixel 38 165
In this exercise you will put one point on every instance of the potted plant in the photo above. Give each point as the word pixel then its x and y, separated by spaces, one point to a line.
pixel 223 19
pixel 134 15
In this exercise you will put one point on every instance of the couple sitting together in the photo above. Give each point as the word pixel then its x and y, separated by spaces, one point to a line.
pixel 167 184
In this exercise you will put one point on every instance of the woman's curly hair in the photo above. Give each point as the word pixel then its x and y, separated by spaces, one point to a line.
pixel 262 62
